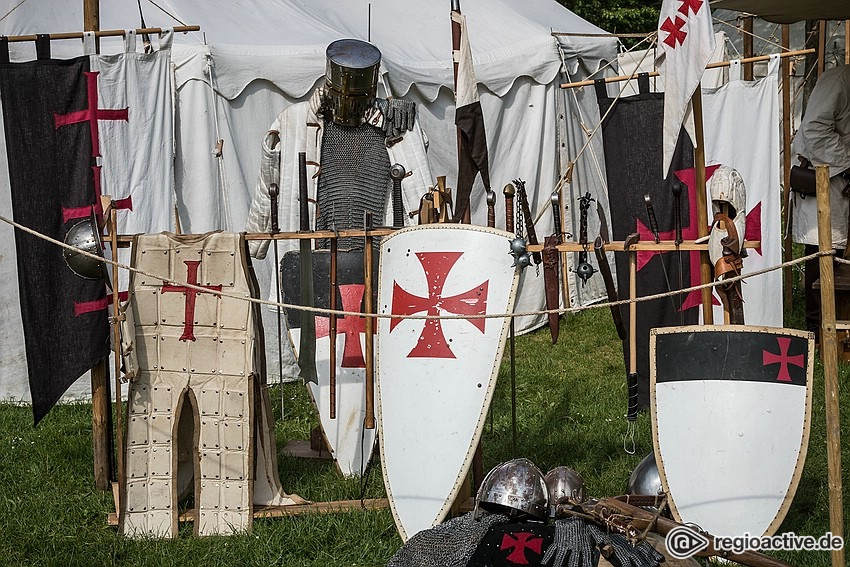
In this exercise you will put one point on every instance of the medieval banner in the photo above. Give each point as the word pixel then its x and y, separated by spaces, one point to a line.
pixel 435 377
pixel 52 169
pixel 731 408
pixel 632 141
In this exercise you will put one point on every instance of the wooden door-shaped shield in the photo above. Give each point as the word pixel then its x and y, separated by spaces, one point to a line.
pixel 351 444
pixel 435 377
pixel 731 409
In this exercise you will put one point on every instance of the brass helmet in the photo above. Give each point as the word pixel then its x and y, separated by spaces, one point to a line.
pixel 645 479
pixel 516 489
pixel 565 486
pixel 351 80
pixel 85 236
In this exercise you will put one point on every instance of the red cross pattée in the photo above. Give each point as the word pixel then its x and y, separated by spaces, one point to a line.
pixel 92 114
pixel 432 342
pixel 675 33
pixel 191 296
pixel 690 5
pixel 782 359
pixel 519 542
pixel 351 327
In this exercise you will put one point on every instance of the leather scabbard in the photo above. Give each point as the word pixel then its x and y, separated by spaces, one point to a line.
pixel 551 284
pixel 610 287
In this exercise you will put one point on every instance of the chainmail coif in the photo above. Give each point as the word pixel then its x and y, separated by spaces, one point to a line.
pixel 450 544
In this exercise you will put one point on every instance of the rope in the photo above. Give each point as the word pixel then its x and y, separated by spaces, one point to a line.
pixel 119 265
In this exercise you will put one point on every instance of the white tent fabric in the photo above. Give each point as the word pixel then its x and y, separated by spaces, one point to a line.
pixel 253 58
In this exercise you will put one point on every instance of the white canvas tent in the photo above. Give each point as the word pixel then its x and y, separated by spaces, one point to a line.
pixel 253 58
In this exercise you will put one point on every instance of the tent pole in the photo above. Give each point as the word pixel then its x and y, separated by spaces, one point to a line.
pixel 821 47
pixel 99 395
pixel 787 252
pixel 829 352
pixel 702 206
pixel 747 31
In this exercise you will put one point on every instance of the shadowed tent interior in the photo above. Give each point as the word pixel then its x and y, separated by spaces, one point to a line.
pixel 788 11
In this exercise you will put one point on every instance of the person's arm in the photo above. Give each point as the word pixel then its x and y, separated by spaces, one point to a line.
pixel 828 105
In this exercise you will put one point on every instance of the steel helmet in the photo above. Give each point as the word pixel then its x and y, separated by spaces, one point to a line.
pixel 565 486
pixel 645 480
pixel 515 488
pixel 85 236
pixel 351 80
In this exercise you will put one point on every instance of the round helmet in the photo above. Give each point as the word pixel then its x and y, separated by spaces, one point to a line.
pixel 85 236
pixel 645 479
pixel 515 488
pixel 727 186
pixel 351 80
pixel 565 486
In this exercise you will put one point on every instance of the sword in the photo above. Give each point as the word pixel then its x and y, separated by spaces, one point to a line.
pixel 397 173
pixel 307 349
pixel 509 192
pixel 653 226
pixel 491 208
pixel 368 308
pixel 332 331
pixel 274 191
pixel 551 258
pixel 632 376
pixel 605 270
pixel 677 222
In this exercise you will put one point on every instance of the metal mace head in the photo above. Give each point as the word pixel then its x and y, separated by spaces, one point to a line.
pixel 519 250
pixel 584 271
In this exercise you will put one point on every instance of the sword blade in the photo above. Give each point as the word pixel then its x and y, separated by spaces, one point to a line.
pixel 307 350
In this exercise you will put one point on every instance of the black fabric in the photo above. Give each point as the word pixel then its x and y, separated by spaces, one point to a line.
pixel 42 46
pixel 471 156
pixel 733 356
pixel 507 545
pixel 632 142
pixel 49 168
pixel 4 49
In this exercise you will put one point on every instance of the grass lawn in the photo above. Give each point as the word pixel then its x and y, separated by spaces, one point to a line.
pixel 571 403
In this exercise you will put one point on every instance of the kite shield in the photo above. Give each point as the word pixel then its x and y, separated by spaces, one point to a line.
pixel 349 441
pixel 436 377
pixel 731 408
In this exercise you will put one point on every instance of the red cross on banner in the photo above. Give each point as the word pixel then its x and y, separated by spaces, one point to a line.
pixel 432 342
pixel 519 542
pixel 92 114
pixel 675 33
pixel 690 5
pixel 191 296
pixel 351 327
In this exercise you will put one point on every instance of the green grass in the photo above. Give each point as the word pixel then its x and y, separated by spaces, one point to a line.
pixel 571 406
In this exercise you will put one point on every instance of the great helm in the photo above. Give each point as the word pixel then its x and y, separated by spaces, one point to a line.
pixel 85 236
pixel 351 80
pixel 516 489
pixel 565 486
pixel 645 479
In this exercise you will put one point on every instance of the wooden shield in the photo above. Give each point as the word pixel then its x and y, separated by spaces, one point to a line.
pixel 350 443
pixel 731 408
pixel 435 377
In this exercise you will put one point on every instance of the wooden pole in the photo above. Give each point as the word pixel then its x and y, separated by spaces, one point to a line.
pixel 116 345
pixel 368 308
pixel 705 269
pixel 715 65
pixel 847 42
pixel 821 47
pixel 99 387
pixel 747 31
pixel 787 251
pixel 829 351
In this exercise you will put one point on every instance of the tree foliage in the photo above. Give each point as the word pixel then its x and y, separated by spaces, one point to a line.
pixel 622 16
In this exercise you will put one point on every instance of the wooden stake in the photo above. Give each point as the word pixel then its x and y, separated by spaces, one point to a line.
pixel 821 47
pixel 705 269
pixel 787 252
pixel 116 345
pixel 829 352
pixel 368 308
pixel 747 32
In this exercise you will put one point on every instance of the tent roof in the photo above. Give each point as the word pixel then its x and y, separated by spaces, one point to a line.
pixel 509 39
pixel 789 11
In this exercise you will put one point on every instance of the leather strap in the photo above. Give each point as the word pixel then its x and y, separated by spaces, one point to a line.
pixel 551 258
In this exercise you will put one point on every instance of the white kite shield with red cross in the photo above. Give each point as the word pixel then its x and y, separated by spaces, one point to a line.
pixel 435 377
pixel 731 409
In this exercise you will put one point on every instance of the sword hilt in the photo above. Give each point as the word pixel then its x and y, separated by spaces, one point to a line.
pixel 397 173
pixel 653 221
pixel 304 213
pixel 274 191
pixel 509 192
pixel 677 211
pixel 491 208
pixel 555 199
